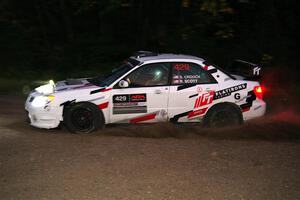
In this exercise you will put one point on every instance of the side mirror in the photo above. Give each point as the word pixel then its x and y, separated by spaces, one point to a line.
pixel 123 84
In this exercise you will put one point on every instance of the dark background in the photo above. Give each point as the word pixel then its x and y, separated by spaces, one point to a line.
pixel 72 38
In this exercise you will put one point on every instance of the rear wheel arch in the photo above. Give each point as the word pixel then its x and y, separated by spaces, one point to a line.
pixel 220 106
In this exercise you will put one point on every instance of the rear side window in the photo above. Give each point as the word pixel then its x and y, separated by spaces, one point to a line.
pixel 190 73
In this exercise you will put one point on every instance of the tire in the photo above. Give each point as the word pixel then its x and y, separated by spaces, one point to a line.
pixel 83 118
pixel 223 115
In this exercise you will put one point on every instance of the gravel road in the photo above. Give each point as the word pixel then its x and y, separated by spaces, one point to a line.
pixel 260 160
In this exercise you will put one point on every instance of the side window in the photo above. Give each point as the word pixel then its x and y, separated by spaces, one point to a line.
pixel 190 73
pixel 149 75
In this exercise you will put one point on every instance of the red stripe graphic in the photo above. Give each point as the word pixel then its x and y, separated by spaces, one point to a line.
pixel 200 100
pixel 245 109
pixel 103 105
pixel 107 89
pixel 143 118
pixel 197 112
pixel 196 102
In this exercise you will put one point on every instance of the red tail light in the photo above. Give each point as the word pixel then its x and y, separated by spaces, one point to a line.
pixel 258 91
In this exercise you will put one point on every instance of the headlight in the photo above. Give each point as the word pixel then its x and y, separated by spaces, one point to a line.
pixel 46 89
pixel 41 101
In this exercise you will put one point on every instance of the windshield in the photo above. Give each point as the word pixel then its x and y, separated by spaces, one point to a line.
pixel 108 79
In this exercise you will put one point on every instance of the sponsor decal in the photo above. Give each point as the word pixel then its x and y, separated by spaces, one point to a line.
pixel 227 92
pixel 204 99
pixel 138 98
pixel 129 103
pixel 126 104
pixel 187 79
pixel 237 96
pixel 121 98
pixel 191 78
pixel 256 71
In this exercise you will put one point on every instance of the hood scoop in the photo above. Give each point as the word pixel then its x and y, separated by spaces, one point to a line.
pixel 74 82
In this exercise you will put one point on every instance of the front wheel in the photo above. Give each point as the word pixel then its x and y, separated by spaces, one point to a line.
pixel 83 118
pixel 223 115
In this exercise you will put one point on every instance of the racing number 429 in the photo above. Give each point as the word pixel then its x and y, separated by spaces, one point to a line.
pixel 121 98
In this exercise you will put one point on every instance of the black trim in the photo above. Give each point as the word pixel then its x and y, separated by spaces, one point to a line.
pixel 176 117
pixel 96 91
pixel 194 95
pixel 251 97
pixel 222 70
pixel 182 87
pixel 67 102
pixel 212 71
pixel 133 62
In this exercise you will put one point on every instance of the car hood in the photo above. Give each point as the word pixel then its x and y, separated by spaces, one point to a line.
pixel 72 84
pixel 65 85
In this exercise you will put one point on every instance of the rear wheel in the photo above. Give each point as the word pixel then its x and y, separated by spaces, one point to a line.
pixel 223 115
pixel 83 118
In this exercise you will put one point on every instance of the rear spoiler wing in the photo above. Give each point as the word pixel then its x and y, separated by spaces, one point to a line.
pixel 245 70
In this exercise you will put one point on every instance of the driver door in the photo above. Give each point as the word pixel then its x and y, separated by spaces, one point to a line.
pixel 146 97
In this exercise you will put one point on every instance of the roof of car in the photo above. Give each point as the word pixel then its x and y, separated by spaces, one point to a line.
pixel 144 58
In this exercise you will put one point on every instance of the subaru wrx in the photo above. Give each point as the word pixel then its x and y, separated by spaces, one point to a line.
pixel 148 88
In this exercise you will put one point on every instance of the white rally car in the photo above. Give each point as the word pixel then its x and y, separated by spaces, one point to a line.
pixel 148 88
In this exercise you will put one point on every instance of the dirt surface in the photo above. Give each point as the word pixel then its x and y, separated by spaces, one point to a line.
pixel 260 160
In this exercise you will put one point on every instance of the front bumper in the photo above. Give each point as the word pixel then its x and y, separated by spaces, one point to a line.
pixel 43 117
